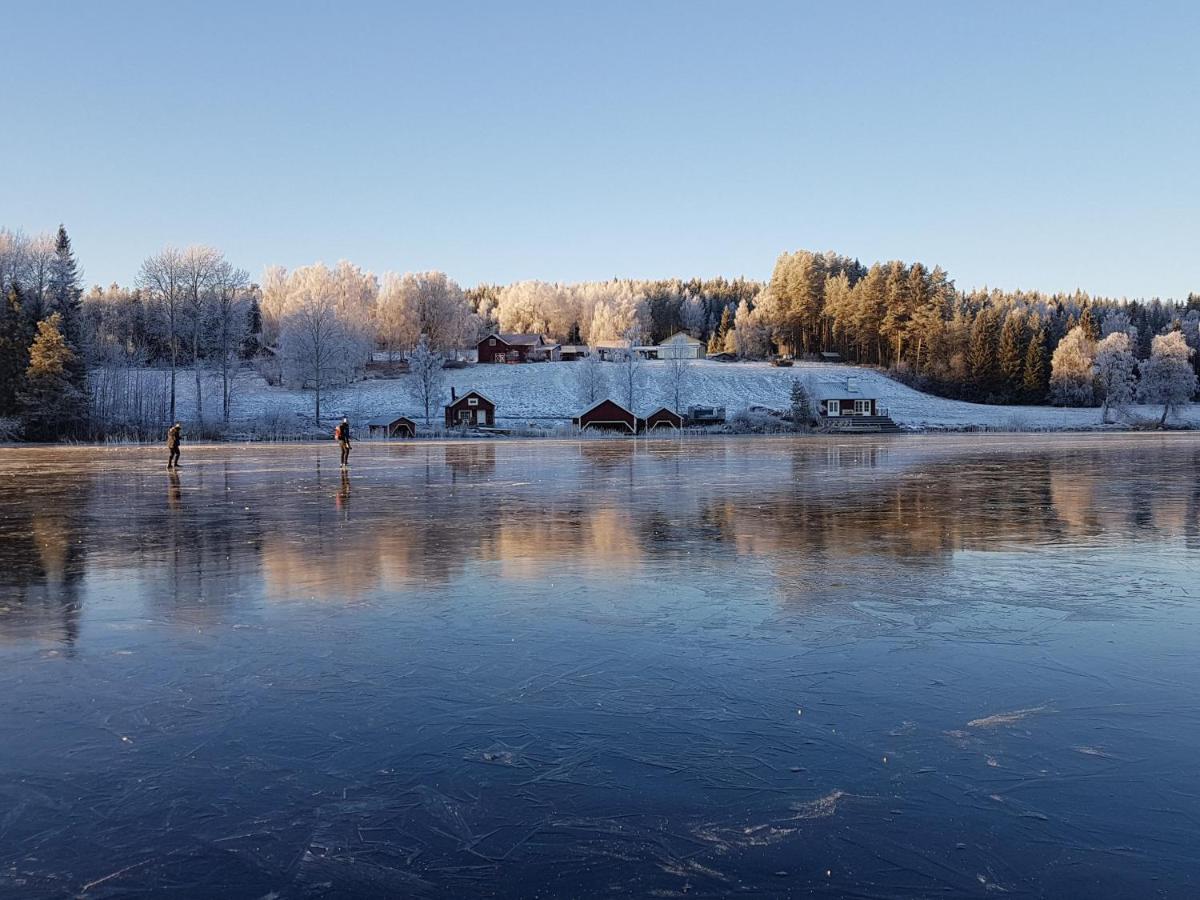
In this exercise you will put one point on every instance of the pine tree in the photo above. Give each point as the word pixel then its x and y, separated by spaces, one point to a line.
pixel 1012 352
pixel 52 405
pixel 1088 323
pixel 65 296
pixel 982 349
pixel 1036 378
pixel 252 342
pixel 14 350
pixel 716 343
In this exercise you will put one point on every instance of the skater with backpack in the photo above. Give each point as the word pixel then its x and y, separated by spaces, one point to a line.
pixel 341 434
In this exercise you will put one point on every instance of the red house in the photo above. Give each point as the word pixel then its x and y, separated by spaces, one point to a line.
pixel 471 410
pixel 664 419
pixel 504 348
pixel 607 415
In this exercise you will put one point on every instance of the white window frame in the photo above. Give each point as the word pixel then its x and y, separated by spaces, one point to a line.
pixel 833 408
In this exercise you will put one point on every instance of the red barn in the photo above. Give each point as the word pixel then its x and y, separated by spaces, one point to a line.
pixel 502 348
pixel 607 415
pixel 662 418
pixel 471 410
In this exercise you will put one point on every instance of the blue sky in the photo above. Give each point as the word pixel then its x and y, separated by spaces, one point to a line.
pixel 1019 145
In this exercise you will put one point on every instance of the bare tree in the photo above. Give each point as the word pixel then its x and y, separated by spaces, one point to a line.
pixel 632 373
pixel 426 376
pixel 230 289
pixel 591 381
pixel 677 380
pixel 199 267
pixel 162 277
pixel 318 350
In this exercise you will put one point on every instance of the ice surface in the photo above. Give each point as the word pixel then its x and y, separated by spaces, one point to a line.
pixel 575 669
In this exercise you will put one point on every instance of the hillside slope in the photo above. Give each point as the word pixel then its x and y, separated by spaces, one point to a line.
pixel 547 391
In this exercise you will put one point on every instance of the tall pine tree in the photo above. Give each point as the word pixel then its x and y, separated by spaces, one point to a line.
pixel 1036 380
pixel 1012 352
pixel 66 299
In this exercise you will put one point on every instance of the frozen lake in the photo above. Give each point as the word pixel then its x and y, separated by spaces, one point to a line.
pixel 913 667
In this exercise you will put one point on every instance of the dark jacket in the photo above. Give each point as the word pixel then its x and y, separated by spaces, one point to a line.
pixel 173 434
pixel 342 432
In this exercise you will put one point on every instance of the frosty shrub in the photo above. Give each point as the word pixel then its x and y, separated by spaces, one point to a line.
pixel 1071 373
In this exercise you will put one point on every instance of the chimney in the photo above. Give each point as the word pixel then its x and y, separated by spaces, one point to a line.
pixel 453 394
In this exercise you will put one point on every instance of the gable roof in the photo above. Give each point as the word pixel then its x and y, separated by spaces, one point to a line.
pixel 600 403
pixel 515 340
pixel 465 396
pixel 389 420
pixel 680 337
pixel 663 409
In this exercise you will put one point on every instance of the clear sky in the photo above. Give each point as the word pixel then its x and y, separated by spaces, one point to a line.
pixel 1018 144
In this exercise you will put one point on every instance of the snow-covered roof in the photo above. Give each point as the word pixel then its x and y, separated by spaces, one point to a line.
pixel 383 421
pixel 514 340
pixel 461 397
pixel 679 337
pixel 601 403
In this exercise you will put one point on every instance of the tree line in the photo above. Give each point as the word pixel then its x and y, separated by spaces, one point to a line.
pixel 73 363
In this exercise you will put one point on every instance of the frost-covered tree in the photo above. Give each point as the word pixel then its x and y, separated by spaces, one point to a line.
pixel 802 405
pixel 1035 381
pixel 751 337
pixel 676 382
pixel 424 303
pixel 52 405
pixel 319 348
pixel 231 298
pixel 199 268
pixel 426 377
pixel 1072 376
pixel 1167 377
pixel 631 372
pixel 1116 371
pixel 591 381
pixel 163 278
pixel 693 314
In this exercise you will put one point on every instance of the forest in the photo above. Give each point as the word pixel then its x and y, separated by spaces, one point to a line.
pixel 74 362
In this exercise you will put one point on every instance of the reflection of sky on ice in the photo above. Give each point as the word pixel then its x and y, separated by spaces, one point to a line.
pixel 894 668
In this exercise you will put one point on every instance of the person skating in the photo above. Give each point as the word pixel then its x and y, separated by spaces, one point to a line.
pixel 342 435
pixel 173 434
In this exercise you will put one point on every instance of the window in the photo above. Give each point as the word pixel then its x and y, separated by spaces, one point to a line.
pixel 862 407
pixel 491 342
pixel 464 416
pixel 472 401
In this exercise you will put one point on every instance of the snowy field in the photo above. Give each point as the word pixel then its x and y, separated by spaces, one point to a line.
pixel 921 666
pixel 547 391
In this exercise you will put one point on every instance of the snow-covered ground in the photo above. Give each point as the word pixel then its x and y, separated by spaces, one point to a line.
pixel 547 391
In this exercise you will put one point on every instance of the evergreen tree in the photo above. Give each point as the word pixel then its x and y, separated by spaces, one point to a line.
pixel 573 334
pixel 982 351
pixel 1088 323
pixel 252 342
pixel 1036 379
pixel 716 343
pixel 14 350
pixel 1012 352
pixel 51 403
pixel 66 299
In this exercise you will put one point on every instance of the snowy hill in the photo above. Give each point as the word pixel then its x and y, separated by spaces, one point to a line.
pixel 546 391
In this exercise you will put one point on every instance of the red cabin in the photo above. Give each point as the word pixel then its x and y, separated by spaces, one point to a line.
pixel 607 415
pixel 507 348
pixel 664 419
pixel 471 410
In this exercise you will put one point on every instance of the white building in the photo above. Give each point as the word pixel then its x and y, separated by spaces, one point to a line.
pixel 681 345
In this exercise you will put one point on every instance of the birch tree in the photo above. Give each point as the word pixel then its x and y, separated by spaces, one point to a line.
pixel 1071 370
pixel 163 279
pixel 426 377
pixel 199 267
pixel 677 381
pixel 230 291
pixel 1167 376
pixel 1116 371
pixel 591 381
pixel 318 349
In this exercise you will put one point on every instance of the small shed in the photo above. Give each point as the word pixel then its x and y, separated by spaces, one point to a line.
pixel 664 419
pixel 392 427
pixel 573 352
pixel 681 345
pixel 471 410
pixel 607 415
